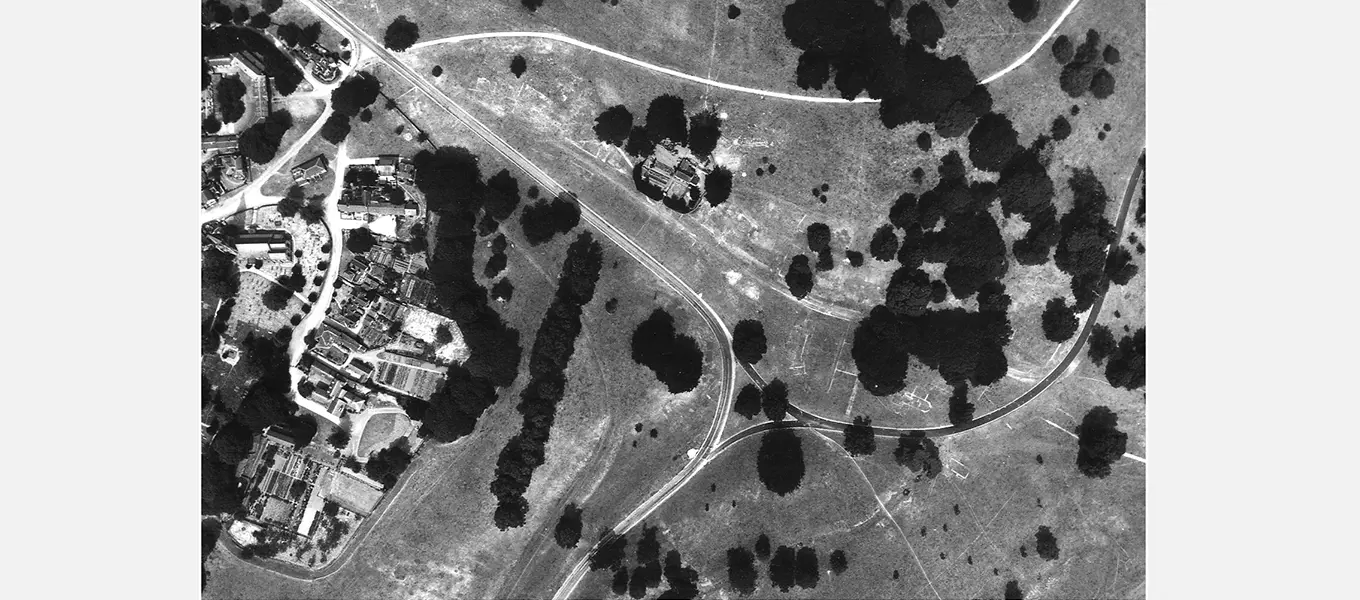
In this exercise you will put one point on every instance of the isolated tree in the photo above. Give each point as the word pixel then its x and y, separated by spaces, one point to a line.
pixel 1045 543
pixel 855 257
pixel 532 5
pixel 923 24
pixel 799 277
pixel 748 341
pixel 1063 50
pixel 859 437
pixel 741 570
pixel 779 462
pixel 276 298
pixel 1025 10
pixel 748 401
pixel 360 240
pixel 613 125
pixel 783 568
pixel 261 21
pixel 762 546
pixel 883 246
pixel 503 290
pixel 923 141
pixel 1111 55
pixel 1061 128
pixel 401 34
pixel 1099 442
pixel 839 563
pixel 818 237
pixel 774 400
pixel 718 185
pixel 806 571
pixel 1119 266
pixel 510 512
pixel 339 438
pixel 920 454
pixel 1013 591
pixel 568 531
pixel 1058 321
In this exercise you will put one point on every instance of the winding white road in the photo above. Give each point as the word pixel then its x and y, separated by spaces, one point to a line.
pixel 557 37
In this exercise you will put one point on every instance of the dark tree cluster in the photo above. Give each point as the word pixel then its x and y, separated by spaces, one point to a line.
pixel 453 188
pixel 293 35
pixel 355 93
pixel 1101 344
pixel 992 142
pixel 222 41
pixel 1025 10
pixel 1085 235
pixel 1099 442
pixel 748 401
pixel 401 34
pixel 336 128
pixel 960 409
pixel 666 120
pixel 741 570
pixel 855 257
pixel 388 465
pixel 883 246
pixel 964 347
pixel 853 39
pixel 859 437
pixel 920 454
pixel 799 277
pixel 748 341
pixel 675 357
pixel 260 142
pixel 704 130
pixel 553 347
pixel 1119 266
pixel 1128 364
pixel 613 125
pixel 568 530
pixel 1084 67
pixel 819 241
pixel 502 196
pixel 496 263
pixel 608 551
pixel 1059 323
pixel 1045 543
pixel 543 220
pixel 779 462
pixel 718 185
pixel 774 400
pixel 503 290
pixel 230 94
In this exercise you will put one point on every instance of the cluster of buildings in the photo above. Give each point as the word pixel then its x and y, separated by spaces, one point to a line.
pixel 224 168
pixel 325 63
pixel 361 347
pixel 289 487
pixel 380 189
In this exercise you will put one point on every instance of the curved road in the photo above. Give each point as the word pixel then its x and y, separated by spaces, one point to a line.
pixel 557 37
pixel 805 420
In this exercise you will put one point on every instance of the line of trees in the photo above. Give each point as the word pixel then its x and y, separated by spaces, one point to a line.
pixel 553 347
pixel 451 181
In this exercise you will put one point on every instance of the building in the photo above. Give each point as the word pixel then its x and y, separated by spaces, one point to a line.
pixel 391 167
pixel 310 170
pixel 671 173
pixel 274 245
pixel 219 143
pixel 410 376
